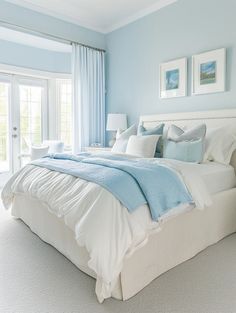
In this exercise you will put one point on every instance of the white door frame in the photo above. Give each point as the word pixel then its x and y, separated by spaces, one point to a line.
pixel 14 82
pixel 5 78
pixel 28 81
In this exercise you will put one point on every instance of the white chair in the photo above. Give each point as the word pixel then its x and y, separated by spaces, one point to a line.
pixel 38 152
pixel 55 146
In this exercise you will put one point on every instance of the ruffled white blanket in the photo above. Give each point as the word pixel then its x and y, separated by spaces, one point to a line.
pixel 100 223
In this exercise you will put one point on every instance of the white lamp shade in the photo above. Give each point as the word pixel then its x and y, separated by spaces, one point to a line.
pixel 116 121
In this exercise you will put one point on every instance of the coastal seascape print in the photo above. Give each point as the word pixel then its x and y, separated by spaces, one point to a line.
pixel 172 79
pixel 208 73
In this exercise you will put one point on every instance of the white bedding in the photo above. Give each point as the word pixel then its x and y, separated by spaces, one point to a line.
pixel 88 208
pixel 217 177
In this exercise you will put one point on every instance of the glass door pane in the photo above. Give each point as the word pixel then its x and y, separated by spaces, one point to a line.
pixel 64 105
pixel 4 128
pixel 30 119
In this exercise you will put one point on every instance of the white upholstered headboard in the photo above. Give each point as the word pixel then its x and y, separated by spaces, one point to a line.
pixel 210 118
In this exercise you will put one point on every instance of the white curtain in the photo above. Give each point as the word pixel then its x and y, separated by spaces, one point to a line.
pixel 88 81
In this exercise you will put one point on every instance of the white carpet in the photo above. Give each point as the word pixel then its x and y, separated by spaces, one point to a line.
pixel 35 278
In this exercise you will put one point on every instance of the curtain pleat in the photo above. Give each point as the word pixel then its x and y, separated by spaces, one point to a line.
pixel 88 80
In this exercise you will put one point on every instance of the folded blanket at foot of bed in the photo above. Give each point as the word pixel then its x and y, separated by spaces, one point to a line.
pixel 133 182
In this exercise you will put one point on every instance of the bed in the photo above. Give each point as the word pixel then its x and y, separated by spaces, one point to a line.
pixel 178 238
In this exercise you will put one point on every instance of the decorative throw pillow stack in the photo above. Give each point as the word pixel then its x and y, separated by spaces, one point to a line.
pixel 146 144
pixel 158 130
pixel 196 144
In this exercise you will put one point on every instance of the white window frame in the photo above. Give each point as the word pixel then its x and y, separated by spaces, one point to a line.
pixel 16 76
pixel 51 77
pixel 5 78
pixel 37 82
pixel 58 112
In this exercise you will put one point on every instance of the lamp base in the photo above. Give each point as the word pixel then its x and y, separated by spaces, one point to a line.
pixel 112 142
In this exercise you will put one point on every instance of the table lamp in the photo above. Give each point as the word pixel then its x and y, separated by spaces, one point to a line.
pixel 116 121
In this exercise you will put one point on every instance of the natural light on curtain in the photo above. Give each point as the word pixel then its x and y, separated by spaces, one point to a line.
pixel 88 81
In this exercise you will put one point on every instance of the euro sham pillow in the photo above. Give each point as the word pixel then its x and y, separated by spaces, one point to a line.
pixel 142 146
pixel 185 145
pixel 122 138
pixel 178 134
pixel 220 144
pixel 158 130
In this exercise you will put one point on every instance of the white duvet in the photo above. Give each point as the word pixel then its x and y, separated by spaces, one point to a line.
pixel 100 223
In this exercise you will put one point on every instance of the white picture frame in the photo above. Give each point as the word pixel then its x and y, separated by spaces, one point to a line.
pixel 209 72
pixel 173 79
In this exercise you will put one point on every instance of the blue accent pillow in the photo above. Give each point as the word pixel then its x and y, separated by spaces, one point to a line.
pixel 185 145
pixel 187 151
pixel 158 130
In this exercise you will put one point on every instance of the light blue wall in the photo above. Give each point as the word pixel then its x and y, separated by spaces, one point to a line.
pixel 34 58
pixel 134 52
pixel 47 24
pixel 20 55
pixel 182 29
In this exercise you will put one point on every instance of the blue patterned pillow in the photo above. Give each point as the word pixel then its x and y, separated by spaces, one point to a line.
pixel 158 130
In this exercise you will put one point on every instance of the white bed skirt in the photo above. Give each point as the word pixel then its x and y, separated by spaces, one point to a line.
pixel 180 239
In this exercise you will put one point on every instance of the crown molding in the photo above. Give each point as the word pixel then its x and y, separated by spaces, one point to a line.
pixel 156 7
pixel 65 18
pixel 101 29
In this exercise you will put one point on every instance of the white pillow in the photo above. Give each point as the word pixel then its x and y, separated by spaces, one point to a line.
pixel 122 139
pixel 142 146
pixel 220 144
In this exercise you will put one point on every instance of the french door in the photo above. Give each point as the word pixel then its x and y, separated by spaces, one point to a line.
pixel 23 120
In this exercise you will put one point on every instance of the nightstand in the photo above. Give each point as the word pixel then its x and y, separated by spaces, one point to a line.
pixel 97 149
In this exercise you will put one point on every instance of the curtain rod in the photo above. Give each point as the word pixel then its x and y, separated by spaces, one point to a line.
pixel 45 35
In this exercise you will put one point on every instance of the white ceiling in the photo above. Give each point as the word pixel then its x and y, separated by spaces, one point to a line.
pixel 100 15
pixel 33 41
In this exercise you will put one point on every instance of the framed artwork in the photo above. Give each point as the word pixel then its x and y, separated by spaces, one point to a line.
pixel 173 79
pixel 208 72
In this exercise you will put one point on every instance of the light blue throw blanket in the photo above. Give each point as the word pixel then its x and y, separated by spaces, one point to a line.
pixel 133 182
